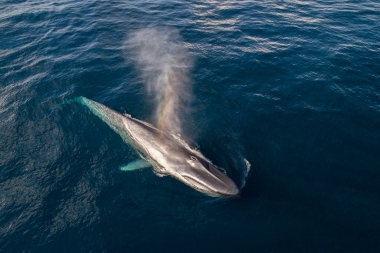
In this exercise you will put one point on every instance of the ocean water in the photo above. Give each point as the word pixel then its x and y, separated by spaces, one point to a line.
pixel 291 86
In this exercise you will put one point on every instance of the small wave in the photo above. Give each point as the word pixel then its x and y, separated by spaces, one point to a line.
pixel 248 169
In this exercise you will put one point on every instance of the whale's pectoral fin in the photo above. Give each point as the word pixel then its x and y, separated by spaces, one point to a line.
pixel 135 165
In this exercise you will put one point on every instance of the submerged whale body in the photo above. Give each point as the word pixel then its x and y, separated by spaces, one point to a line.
pixel 167 154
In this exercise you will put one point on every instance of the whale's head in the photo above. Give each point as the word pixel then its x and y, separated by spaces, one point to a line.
pixel 207 178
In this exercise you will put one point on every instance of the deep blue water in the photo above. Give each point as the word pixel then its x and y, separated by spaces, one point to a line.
pixel 292 86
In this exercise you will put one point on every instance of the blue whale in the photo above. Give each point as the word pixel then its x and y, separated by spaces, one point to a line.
pixel 166 153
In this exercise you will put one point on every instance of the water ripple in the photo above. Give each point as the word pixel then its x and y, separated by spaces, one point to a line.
pixel 292 85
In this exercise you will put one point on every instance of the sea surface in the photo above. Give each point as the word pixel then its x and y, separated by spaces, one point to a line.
pixel 291 86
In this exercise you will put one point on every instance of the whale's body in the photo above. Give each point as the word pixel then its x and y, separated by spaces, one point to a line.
pixel 167 154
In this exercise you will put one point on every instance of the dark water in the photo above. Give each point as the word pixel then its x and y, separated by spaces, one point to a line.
pixel 292 86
